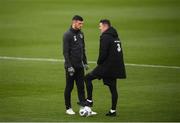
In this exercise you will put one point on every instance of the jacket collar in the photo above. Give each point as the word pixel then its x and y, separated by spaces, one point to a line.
pixel 74 31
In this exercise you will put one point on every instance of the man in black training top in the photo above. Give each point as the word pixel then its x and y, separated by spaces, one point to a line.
pixel 110 64
pixel 75 61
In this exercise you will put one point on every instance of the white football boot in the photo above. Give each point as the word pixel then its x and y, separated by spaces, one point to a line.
pixel 70 111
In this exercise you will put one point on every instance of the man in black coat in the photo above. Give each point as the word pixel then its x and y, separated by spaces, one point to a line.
pixel 75 61
pixel 110 64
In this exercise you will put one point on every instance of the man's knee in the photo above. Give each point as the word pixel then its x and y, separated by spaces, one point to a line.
pixel 69 88
pixel 87 77
pixel 90 76
pixel 80 86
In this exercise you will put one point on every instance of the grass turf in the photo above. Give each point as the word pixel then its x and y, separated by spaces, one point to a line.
pixel 33 91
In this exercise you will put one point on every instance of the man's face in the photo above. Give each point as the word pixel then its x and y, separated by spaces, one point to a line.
pixel 77 24
pixel 103 27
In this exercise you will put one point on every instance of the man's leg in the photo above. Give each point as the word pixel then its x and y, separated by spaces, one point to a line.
pixel 89 86
pixel 79 78
pixel 112 84
pixel 68 90
pixel 114 94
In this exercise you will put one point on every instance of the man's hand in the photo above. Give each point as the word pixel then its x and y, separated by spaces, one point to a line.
pixel 71 71
pixel 86 66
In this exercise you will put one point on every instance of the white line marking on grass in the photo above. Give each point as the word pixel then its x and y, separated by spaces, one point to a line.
pixel 31 59
pixel 91 62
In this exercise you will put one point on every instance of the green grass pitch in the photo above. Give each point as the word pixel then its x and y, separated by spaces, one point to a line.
pixel 33 90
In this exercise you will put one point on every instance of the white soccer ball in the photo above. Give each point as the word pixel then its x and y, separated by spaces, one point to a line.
pixel 85 111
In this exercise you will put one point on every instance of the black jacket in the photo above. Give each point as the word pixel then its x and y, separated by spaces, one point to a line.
pixel 110 61
pixel 74 49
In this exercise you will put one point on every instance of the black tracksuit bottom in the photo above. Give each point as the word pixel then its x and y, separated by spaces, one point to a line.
pixel 110 82
pixel 78 77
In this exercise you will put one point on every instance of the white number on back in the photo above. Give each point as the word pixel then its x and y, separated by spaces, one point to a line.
pixel 118 48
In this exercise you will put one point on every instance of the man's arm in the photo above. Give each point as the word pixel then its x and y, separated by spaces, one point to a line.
pixel 66 48
pixel 84 56
pixel 84 53
pixel 103 49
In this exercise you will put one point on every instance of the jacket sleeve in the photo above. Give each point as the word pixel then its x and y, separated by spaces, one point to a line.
pixel 103 49
pixel 66 49
pixel 84 53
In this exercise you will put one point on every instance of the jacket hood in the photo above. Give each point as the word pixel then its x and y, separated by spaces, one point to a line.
pixel 111 31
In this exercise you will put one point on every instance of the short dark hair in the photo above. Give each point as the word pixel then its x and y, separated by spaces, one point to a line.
pixel 77 17
pixel 105 21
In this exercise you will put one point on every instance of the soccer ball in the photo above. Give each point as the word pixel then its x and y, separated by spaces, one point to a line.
pixel 85 111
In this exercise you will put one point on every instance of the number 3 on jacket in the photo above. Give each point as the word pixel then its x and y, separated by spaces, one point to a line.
pixel 118 47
